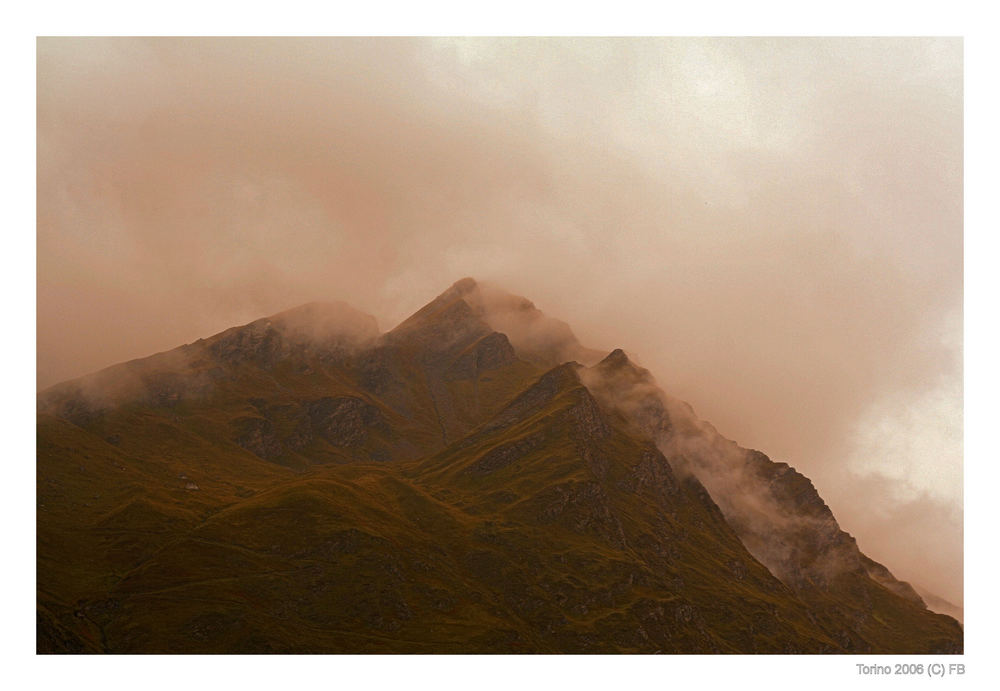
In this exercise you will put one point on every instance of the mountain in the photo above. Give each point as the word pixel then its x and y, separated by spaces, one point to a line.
pixel 472 481
pixel 936 603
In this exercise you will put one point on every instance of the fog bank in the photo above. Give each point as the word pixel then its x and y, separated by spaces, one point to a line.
pixel 772 226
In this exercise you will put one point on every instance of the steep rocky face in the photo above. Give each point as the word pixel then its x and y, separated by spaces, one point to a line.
pixel 458 484
pixel 328 331
pixel 442 332
pixel 775 510
pixel 555 466
pixel 345 420
pixel 491 352
pixel 630 391
pixel 535 336
pixel 446 324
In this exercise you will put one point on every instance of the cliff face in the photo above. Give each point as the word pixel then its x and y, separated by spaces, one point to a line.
pixel 776 511
pixel 461 483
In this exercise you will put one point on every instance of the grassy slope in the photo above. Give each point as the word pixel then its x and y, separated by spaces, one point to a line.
pixel 113 491
pixel 516 518
pixel 424 557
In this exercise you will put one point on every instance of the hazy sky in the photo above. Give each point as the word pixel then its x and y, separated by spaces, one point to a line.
pixel 772 226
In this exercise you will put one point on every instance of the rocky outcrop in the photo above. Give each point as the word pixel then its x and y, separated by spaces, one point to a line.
pixel 490 352
pixel 536 337
pixel 256 435
pixel 586 417
pixel 652 473
pixel 629 390
pixel 581 507
pixel 505 454
pixel 519 508
pixel 259 343
pixel 378 371
pixel 445 326
pixel 776 511
pixel 537 396
pixel 344 421
pixel 330 331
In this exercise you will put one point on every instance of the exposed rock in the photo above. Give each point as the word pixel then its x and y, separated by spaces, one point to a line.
pixel 71 405
pixel 588 420
pixel 445 326
pixel 258 342
pixel 536 337
pixel 622 386
pixel 538 395
pixel 344 421
pixel 652 472
pixel 556 526
pixel 377 369
pixel 503 455
pixel 326 329
pixel 488 353
pixel 583 508
pixel 615 360
pixel 301 437
pixel 597 462
pixel 256 435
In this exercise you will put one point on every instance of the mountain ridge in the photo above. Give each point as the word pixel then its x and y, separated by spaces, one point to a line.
pixel 442 436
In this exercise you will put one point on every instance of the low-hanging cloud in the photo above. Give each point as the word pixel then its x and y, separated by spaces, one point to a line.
pixel 773 225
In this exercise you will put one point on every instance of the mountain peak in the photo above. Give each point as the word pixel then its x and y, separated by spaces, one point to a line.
pixel 446 325
pixel 321 321
pixel 463 286
pixel 618 366
pixel 474 308
pixel 601 513
pixel 463 289
pixel 615 359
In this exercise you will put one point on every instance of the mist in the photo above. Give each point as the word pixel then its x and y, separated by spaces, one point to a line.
pixel 772 226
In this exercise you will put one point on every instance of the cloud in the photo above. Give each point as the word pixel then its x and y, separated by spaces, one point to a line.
pixel 774 226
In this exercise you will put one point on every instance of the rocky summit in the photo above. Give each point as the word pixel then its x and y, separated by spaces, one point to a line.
pixel 472 481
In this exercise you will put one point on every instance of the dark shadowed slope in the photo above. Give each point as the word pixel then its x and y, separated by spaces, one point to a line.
pixel 458 484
